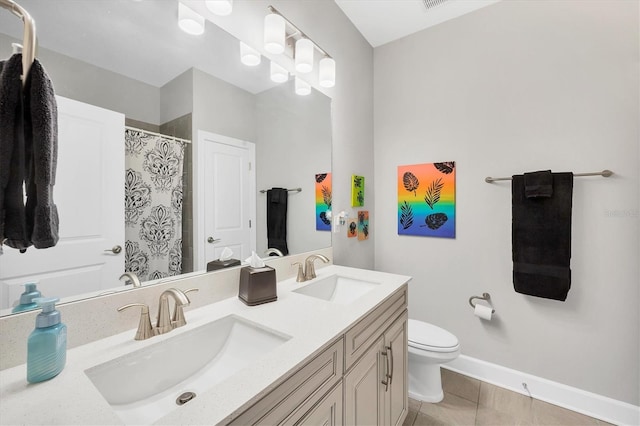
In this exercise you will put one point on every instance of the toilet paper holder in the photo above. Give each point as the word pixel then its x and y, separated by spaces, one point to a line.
pixel 486 297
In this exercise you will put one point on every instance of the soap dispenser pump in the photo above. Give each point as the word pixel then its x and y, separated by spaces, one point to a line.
pixel 47 344
pixel 27 298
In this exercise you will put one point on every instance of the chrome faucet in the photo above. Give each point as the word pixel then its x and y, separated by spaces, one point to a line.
pixel 165 322
pixel 309 268
pixel 275 251
pixel 131 278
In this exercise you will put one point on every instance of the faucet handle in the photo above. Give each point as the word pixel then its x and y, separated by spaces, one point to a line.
pixel 178 315
pixel 145 330
pixel 300 277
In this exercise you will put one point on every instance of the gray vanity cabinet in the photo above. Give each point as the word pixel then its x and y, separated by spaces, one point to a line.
pixel 359 379
pixel 375 388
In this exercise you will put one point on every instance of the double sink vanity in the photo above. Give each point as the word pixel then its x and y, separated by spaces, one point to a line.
pixel 330 350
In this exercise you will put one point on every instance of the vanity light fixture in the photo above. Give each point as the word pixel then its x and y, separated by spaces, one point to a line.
pixel 274 33
pixel 190 21
pixel 327 72
pixel 302 87
pixel 220 7
pixel 279 74
pixel 282 36
pixel 304 56
pixel 248 55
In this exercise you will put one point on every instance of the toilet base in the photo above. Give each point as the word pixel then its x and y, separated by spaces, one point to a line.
pixel 425 382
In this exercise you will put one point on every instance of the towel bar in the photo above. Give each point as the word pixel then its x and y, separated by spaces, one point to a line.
pixel 604 173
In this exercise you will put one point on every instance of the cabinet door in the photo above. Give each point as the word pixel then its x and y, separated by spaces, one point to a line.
pixel 327 413
pixel 363 389
pixel 396 399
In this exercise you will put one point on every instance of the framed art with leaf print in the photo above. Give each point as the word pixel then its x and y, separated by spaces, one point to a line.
pixel 427 200
pixel 323 202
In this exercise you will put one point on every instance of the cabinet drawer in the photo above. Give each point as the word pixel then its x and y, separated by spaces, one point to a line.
pixel 309 383
pixel 362 335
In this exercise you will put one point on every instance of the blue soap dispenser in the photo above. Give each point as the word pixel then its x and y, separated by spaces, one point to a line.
pixel 26 298
pixel 47 344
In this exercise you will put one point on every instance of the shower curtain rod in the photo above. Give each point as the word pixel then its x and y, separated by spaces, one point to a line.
pixel 28 37
pixel 604 173
pixel 135 129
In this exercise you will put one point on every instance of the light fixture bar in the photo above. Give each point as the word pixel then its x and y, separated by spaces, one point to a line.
pixel 298 31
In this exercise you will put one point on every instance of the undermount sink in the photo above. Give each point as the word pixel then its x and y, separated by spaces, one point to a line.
pixel 143 386
pixel 337 288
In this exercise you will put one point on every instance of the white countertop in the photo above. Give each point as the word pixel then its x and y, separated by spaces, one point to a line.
pixel 71 398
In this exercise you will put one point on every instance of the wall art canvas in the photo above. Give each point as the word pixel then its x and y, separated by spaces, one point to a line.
pixel 323 201
pixel 427 200
pixel 352 228
pixel 363 225
pixel 357 191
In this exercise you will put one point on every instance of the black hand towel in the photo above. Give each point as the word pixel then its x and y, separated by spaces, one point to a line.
pixel 28 156
pixel 13 161
pixel 41 140
pixel 541 239
pixel 277 219
pixel 538 184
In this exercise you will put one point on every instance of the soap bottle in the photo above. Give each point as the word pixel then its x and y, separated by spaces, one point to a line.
pixel 26 298
pixel 47 344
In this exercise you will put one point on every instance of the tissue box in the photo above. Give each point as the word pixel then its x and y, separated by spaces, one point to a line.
pixel 257 285
pixel 220 264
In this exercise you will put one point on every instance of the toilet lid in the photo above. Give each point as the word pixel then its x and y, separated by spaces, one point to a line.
pixel 430 337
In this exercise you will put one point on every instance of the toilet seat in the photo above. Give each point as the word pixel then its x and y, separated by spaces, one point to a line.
pixel 428 337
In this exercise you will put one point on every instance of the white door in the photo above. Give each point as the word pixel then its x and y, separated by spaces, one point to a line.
pixel 226 197
pixel 89 194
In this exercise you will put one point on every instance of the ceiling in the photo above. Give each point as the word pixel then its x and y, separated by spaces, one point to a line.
pixel 134 42
pixel 383 21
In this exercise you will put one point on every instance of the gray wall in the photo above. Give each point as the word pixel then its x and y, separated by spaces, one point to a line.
pixel 96 86
pixel 294 143
pixel 521 86
pixel 352 102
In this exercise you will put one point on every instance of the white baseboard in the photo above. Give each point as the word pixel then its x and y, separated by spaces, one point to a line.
pixel 574 399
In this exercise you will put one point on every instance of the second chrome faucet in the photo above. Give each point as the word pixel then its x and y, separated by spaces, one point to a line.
pixel 166 321
pixel 309 271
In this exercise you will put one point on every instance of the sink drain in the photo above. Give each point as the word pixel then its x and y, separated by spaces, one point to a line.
pixel 185 397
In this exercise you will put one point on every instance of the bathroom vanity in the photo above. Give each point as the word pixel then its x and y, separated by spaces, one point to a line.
pixel 328 351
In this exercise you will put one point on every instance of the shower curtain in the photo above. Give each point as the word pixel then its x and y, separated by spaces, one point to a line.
pixel 153 204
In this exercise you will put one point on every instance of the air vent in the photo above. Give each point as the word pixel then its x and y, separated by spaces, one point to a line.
pixel 430 4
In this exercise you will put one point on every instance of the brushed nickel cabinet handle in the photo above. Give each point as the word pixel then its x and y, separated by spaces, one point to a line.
pixel 115 249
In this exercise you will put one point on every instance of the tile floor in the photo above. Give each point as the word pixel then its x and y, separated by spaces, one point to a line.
pixel 469 401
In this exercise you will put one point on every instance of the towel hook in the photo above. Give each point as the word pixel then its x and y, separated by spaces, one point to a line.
pixel 486 297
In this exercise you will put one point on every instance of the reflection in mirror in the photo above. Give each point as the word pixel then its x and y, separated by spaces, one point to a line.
pixel 108 59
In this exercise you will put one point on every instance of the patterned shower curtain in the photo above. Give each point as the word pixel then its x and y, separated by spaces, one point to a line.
pixel 153 205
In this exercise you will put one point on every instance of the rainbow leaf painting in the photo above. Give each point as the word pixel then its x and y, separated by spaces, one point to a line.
pixel 323 202
pixel 427 200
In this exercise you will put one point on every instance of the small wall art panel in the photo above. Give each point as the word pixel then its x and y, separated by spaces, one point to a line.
pixel 323 201
pixel 352 228
pixel 357 191
pixel 427 200
pixel 363 225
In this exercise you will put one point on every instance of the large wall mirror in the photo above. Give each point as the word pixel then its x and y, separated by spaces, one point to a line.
pixel 130 58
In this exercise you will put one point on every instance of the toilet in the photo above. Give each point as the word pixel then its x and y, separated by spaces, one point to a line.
pixel 429 346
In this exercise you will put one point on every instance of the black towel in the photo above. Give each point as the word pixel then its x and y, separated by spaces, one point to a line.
pixel 41 140
pixel 277 219
pixel 28 155
pixel 541 239
pixel 13 163
pixel 538 184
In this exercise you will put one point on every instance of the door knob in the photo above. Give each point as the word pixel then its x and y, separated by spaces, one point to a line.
pixel 115 249
pixel 211 240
